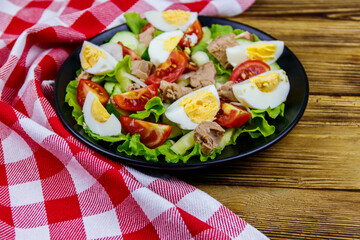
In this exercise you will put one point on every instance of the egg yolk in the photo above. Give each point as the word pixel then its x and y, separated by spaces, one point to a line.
pixel 90 56
pixel 176 17
pixel 170 43
pixel 261 51
pixel 267 82
pixel 201 106
pixel 98 111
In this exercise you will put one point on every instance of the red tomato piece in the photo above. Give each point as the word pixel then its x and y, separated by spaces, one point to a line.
pixel 194 28
pixel 128 51
pixel 136 100
pixel 152 135
pixel 246 35
pixel 170 70
pixel 248 69
pixel 191 67
pixel 85 86
pixel 231 116
pixel 146 27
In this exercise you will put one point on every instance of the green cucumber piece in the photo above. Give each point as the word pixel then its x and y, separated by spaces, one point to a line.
pixel 206 34
pixel 175 131
pixel 274 66
pixel 185 143
pixel 226 139
pixel 127 38
pixel 243 41
pixel 109 87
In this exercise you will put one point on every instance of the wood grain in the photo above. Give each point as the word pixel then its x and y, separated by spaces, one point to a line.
pixel 294 213
pixel 306 186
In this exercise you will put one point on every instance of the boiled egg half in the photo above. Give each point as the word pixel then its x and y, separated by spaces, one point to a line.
pixel 194 108
pixel 161 46
pixel 266 51
pixel 97 119
pixel 171 20
pixel 96 60
pixel 265 90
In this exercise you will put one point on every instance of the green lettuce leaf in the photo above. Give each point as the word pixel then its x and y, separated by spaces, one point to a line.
pixel 122 67
pixel 220 30
pixel 238 31
pixel 133 146
pixel 258 125
pixel 154 106
pixel 222 71
pixel 111 139
pixel 70 98
pixel 135 22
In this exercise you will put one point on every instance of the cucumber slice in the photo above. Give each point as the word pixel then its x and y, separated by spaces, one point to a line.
pixel 109 87
pixel 141 49
pixel 175 131
pixel 200 58
pixel 243 41
pixel 184 143
pixel 124 82
pixel 127 38
pixel 274 66
pixel 225 140
pixel 206 34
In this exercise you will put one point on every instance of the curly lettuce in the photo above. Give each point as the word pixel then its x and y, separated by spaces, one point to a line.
pixel 153 107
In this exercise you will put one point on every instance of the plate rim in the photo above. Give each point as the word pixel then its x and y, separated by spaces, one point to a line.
pixel 181 166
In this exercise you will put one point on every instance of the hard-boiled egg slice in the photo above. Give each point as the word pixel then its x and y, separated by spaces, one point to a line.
pixel 114 49
pixel 171 20
pixel 97 119
pixel 266 51
pixel 265 90
pixel 161 46
pixel 194 108
pixel 96 60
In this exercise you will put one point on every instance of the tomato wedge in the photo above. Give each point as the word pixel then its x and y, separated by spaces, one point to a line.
pixel 152 135
pixel 170 70
pixel 248 69
pixel 146 27
pixel 231 116
pixel 188 38
pixel 128 51
pixel 85 86
pixel 136 100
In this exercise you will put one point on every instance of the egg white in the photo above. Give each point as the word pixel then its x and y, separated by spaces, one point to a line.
pixel 238 54
pixel 156 19
pixel 103 65
pixel 177 114
pixel 248 94
pixel 109 128
pixel 156 50
pixel 114 49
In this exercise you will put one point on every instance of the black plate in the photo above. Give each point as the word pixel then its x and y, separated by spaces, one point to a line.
pixel 294 108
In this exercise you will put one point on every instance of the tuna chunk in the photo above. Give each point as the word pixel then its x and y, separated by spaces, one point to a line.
pixel 146 36
pixel 204 76
pixel 132 87
pixel 141 69
pixel 84 75
pixel 209 135
pixel 218 47
pixel 226 92
pixel 170 92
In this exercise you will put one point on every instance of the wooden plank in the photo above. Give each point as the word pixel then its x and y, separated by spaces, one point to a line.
pixel 282 213
pixel 321 152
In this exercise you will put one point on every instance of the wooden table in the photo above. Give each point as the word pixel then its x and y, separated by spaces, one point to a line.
pixel 306 186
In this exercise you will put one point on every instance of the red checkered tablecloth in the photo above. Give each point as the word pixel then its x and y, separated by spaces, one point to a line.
pixel 54 187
